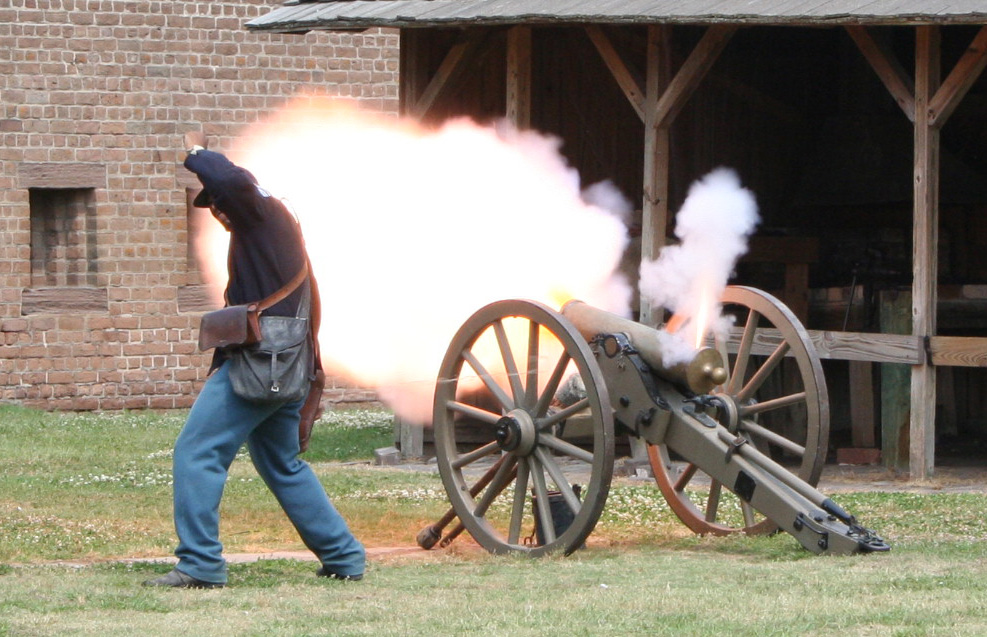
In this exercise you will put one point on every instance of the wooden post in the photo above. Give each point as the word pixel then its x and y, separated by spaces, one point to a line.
pixel 411 72
pixel 894 319
pixel 925 237
pixel 929 108
pixel 519 76
pixel 861 404
pixel 411 436
pixel 665 96
pixel 654 208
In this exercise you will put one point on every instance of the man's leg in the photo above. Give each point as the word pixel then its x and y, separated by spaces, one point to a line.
pixel 216 428
pixel 274 451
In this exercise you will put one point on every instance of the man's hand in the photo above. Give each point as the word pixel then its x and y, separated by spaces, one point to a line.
pixel 195 138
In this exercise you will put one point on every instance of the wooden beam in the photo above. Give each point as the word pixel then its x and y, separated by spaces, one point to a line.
pixel 872 347
pixel 884 62
pixel 958 351
pixel 845 346
pixel 959 81
pixel 951 351
pixel 925 238
pixel 699 62
pixel 625 79
pixel 654 207
pixel 460 57
pixel 519 76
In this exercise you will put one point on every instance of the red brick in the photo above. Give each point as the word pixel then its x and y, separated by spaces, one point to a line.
pixel 107 87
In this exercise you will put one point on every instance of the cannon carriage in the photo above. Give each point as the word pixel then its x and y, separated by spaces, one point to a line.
pixel 529 401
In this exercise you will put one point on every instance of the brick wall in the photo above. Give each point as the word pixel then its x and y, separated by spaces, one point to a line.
pixel 100 310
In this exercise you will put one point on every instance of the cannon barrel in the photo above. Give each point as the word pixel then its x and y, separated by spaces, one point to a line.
pixel 700 374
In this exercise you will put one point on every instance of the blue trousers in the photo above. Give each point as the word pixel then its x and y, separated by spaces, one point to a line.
pixel 218 425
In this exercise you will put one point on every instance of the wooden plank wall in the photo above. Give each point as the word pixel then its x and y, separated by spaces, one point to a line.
pixel 759 107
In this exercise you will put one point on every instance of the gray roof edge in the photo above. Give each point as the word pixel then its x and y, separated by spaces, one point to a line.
pixel 346 24
pixel 350 14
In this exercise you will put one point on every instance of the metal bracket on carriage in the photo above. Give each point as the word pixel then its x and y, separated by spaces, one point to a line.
pixel 690 408
pixel 866 539
pixel 735 446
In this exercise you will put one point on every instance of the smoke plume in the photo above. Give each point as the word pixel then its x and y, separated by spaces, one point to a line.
pixel 688 278
pixel 412 230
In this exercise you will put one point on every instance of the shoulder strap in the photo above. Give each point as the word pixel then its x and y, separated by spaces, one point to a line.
pixel 285 290
pixel 316 319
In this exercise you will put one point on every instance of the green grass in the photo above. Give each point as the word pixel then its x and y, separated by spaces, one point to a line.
pixel 641 591
pixel 85 485
pixel 89 488
pixel 347 435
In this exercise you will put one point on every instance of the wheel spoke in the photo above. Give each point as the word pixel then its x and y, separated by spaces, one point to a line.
pixel 564 447
pixel 505 401
pixel 771 437
pixel 744 352
pixel 762 374
pixel 774 403
pixel 757 358
pixel 482 415
pixel 520 499
pixel 749 514
pixel 510 365
pixel 497 484
pixel 561 481
pixel 543 510
pixel 472 397
pixel 713 502
pixel 552 386
pixel 686 476
pixel 476 454
pixel 576 407
pixel 531 383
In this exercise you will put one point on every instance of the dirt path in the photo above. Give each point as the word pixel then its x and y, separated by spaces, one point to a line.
pixel 967 479
pixel 835 479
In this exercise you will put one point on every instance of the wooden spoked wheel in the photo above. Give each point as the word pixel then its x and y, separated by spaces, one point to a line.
pixel 775 396
pixel 496 413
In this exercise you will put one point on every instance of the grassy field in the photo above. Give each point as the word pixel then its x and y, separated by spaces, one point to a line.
pixel 78 492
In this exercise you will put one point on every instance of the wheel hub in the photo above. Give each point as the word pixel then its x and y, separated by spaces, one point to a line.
pixel 516 432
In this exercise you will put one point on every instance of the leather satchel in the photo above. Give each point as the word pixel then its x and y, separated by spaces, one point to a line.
pixel 240 324
pixel 279 368
pixel 234 325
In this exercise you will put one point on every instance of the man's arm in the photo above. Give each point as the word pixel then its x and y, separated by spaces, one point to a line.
pixel 231 189
pixel 195 141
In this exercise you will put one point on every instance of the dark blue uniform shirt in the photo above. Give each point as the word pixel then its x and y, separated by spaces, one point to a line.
pixel 266 248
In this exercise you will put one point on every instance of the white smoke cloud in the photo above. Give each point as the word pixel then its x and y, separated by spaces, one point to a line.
pixel 688 278
pixel 412 230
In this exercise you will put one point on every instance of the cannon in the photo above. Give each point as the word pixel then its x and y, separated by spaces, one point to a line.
pixel 529 401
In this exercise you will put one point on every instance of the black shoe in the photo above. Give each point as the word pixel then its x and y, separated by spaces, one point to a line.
pixel 325 572
pixel 178 579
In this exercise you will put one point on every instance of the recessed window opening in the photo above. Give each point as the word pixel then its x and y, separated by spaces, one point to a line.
pixel 63 237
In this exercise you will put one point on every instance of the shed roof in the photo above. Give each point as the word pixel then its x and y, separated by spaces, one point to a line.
pixel 305 15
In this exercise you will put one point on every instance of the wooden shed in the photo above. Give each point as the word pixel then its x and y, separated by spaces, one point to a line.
pixel 860 125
